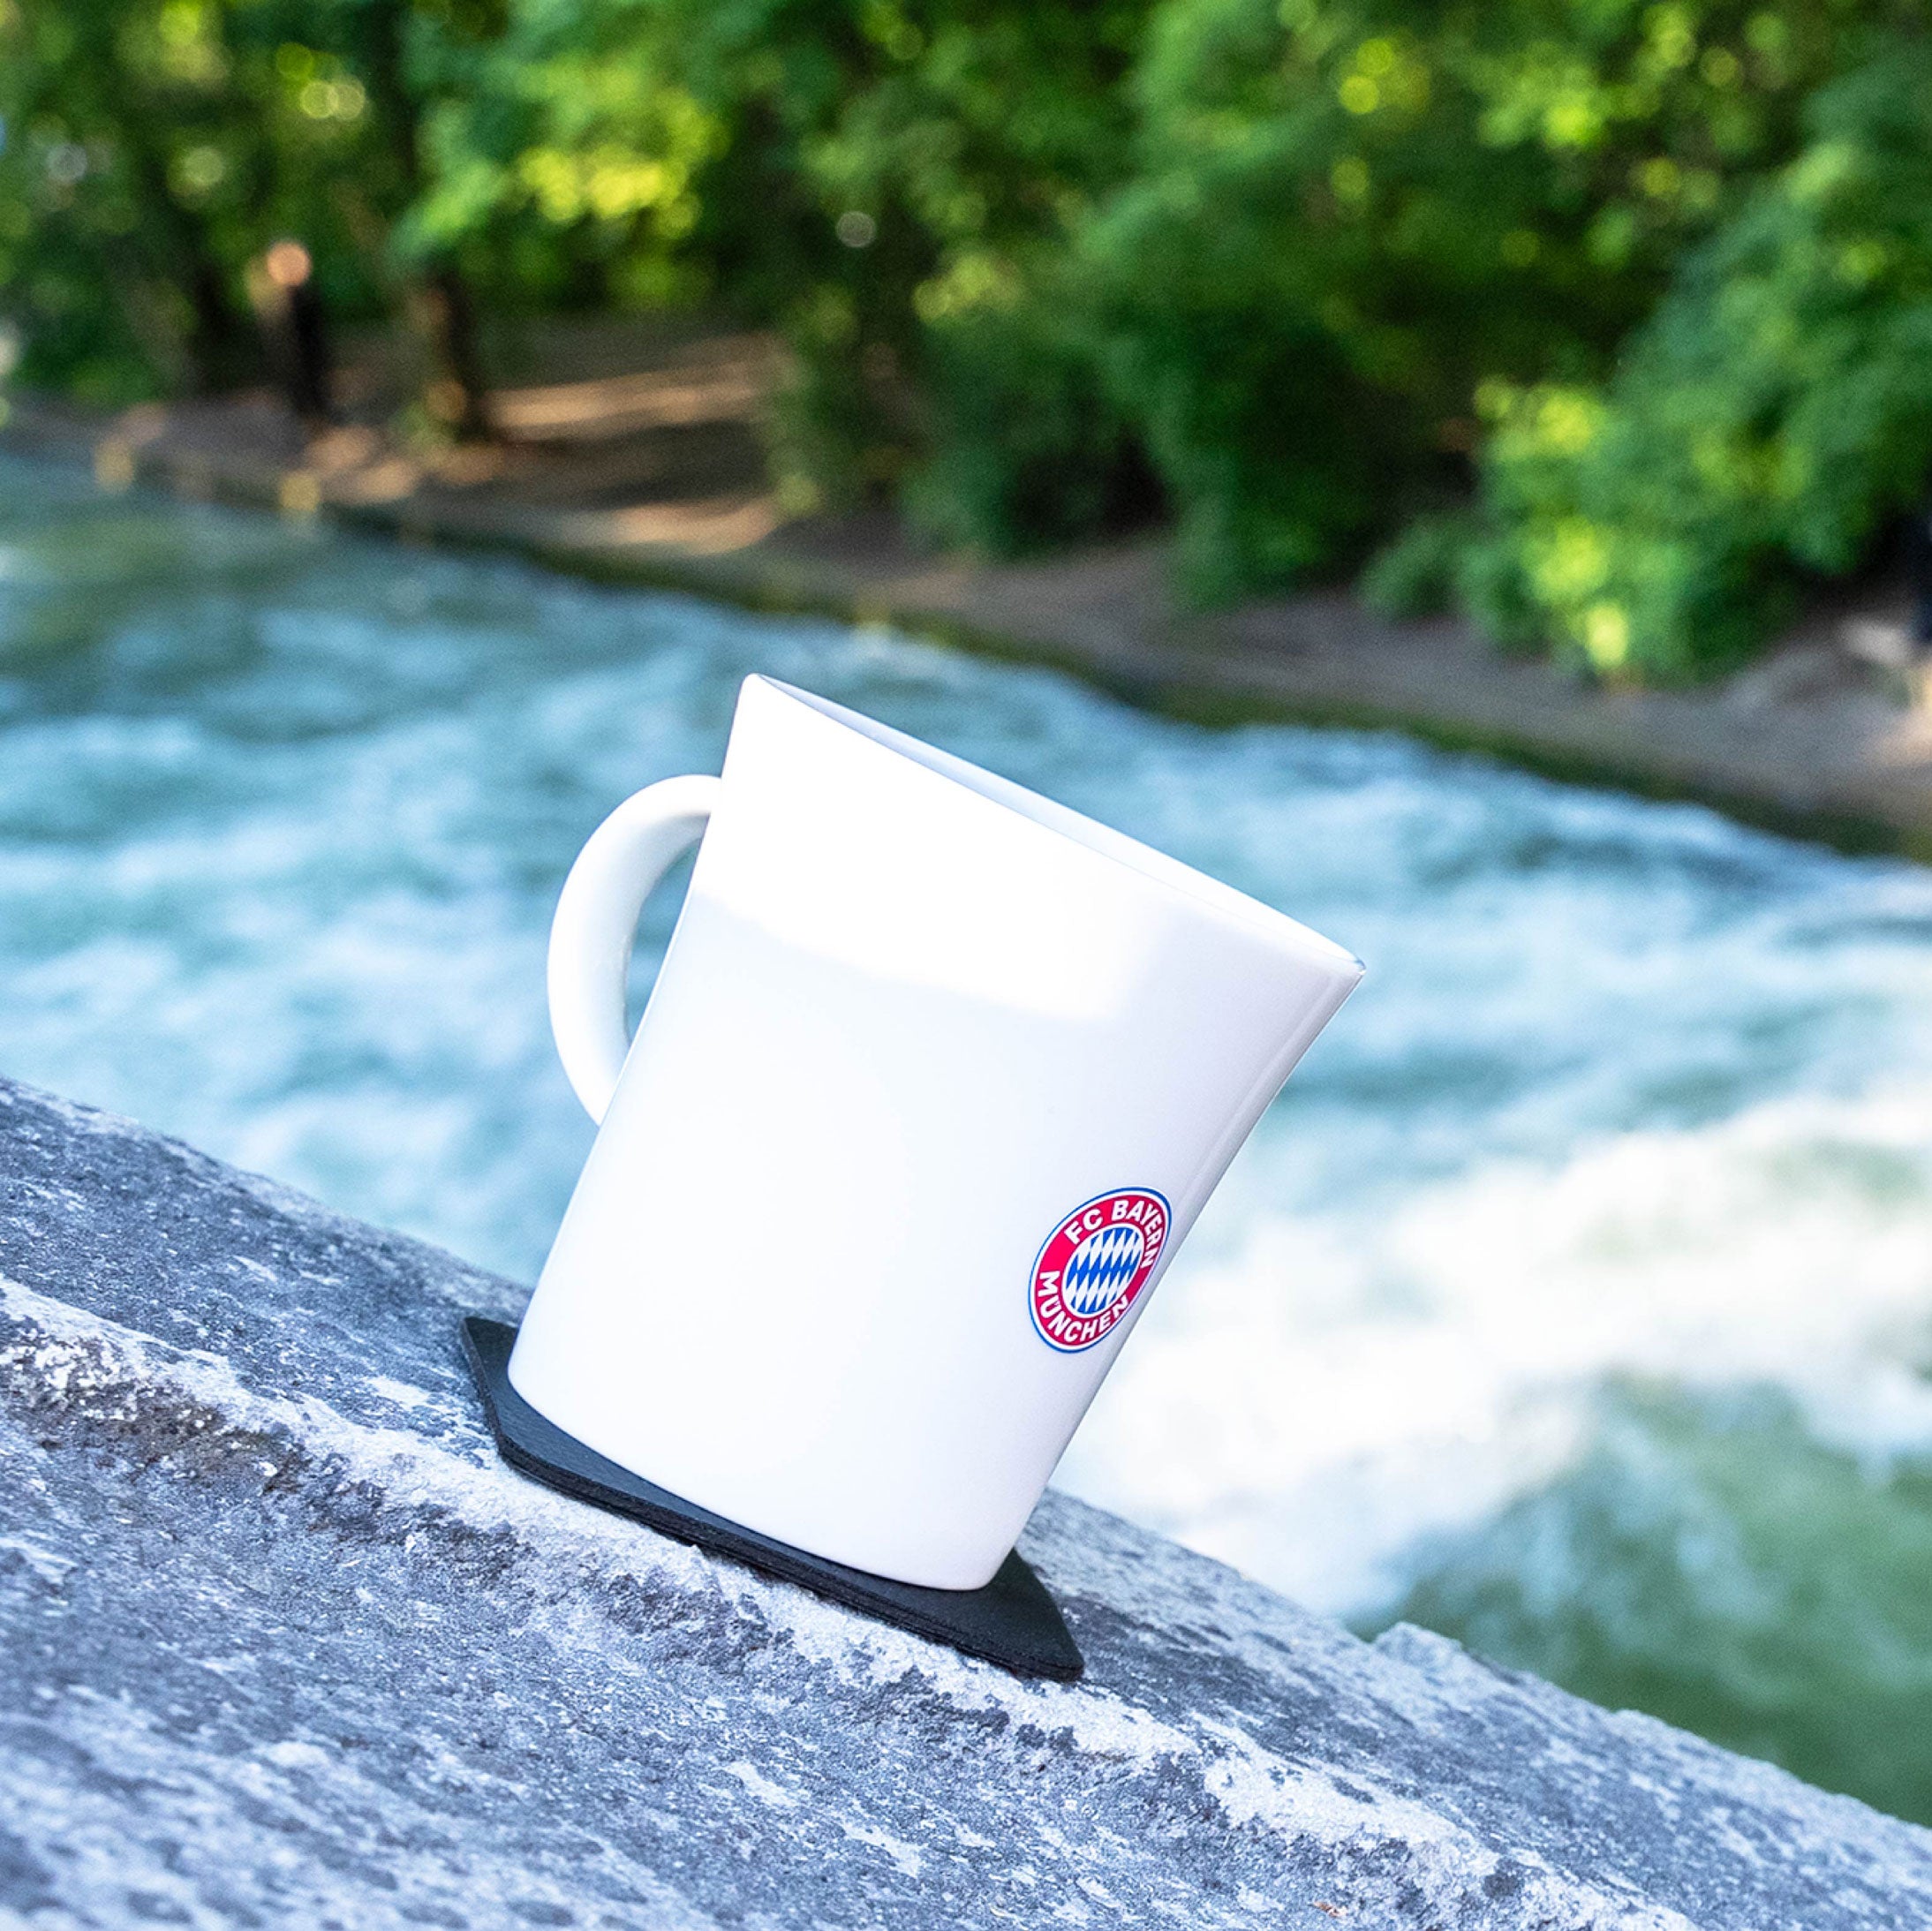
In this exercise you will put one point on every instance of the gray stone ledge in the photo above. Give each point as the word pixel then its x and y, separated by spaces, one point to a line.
pixel 281 1644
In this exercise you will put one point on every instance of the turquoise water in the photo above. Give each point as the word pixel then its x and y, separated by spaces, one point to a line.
pixel 1576 1298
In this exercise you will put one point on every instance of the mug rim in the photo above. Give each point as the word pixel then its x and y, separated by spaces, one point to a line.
pixel 1147 862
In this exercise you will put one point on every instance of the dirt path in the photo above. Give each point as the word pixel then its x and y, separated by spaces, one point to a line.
pixel 653 474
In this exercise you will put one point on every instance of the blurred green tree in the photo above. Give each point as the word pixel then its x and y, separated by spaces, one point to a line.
pixel 1348 219
pixel 857 173
pixel 155 148
pixel 1480 277
pixel 128 167
pixel 1769 419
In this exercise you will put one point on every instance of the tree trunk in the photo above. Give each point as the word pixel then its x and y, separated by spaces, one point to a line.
pixel 443 303
pixel 221 349
pixel 449 315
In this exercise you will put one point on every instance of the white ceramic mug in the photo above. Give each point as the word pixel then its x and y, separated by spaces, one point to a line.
pixel 935 1076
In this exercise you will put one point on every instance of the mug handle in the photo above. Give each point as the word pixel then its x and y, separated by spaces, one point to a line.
pixel 596 923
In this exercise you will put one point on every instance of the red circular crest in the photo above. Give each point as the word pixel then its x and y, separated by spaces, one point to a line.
pixel 1094 1265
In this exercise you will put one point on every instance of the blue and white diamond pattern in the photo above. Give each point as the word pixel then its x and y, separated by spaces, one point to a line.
pixel 1100 1268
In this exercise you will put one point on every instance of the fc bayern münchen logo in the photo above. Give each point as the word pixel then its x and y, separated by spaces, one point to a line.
pixel 1094 1264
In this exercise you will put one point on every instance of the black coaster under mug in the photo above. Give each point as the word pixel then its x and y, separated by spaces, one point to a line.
pixel 1012 1621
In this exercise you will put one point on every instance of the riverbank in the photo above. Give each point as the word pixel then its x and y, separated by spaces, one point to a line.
pixel 647 468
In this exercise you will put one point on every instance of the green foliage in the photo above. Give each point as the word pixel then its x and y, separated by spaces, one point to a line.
pixel 1422 573
pixel 155 147
pixel 898 184
pixel 559 156
pixel 1349 217
pixel 1638 278
pixel 122 164
pixel 1769 418
pixel 1029 447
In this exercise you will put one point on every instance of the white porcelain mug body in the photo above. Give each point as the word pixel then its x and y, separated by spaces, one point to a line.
pixel 825 1272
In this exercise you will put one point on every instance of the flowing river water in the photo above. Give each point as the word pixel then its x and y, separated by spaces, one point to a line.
pixel 1575 1299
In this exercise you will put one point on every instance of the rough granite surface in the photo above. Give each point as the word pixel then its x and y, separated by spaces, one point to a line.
pixel 281 1644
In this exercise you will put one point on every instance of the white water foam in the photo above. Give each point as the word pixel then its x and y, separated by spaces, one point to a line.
pixel 1329 1389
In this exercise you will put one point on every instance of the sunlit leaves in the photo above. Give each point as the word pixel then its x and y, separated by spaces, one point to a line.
pixel 1422 199
pixel 1298 270
pixel 1771 414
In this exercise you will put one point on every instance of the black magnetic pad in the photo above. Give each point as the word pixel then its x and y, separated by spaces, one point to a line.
pixel 1012 1621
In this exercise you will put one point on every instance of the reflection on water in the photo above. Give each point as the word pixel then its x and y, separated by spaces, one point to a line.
pixel 1577 1298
